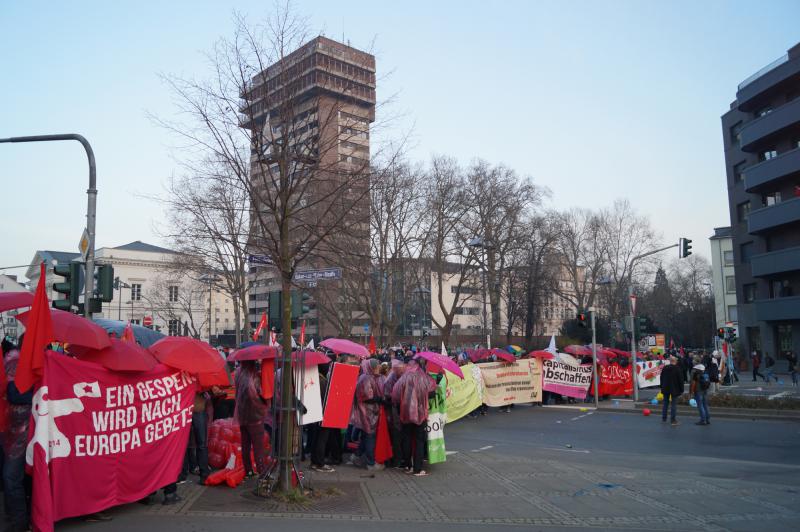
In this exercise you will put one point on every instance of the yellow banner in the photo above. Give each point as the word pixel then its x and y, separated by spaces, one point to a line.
pixel 463 396
pixel 518 382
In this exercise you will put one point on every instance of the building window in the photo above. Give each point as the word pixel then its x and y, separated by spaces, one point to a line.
pixel 174 327
pixel 728 258
pixel 764 111
pixel 468 311
pixel 771 199
pixel 766 155
pixel 749 292
pixel 733 314
pixel 173 294
pixel 136 322
pixel 730 284
pixel 785 337
pixel 746 252
pixel 743 211
pixel 780 288
pixel 136 292
pixel 738 171
pixel 735 133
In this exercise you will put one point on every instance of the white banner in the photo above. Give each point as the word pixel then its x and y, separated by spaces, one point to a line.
pixel 310 395
pixel 649 373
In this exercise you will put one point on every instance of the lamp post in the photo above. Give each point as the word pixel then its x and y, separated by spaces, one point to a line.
pixel 478 242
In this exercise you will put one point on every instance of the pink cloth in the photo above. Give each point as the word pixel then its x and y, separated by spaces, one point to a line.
pixel 365 415
pixel 411 392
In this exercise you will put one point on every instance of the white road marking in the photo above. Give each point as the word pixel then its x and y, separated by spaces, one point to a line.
pixel 568 407
pixel 578 417
pixel 781 394
pixel 583 451
pixel 486 448
pixel 448 453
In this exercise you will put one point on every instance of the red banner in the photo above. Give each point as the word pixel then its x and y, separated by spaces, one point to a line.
pixel 339 402
pixel 104 438
pixel 615 380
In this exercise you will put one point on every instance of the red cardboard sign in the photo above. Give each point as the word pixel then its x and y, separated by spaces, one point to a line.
pixel 341 389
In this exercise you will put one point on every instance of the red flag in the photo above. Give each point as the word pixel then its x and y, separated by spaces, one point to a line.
pixel 372 348
pixel 267 378
pixel 127 334
pixel 38 335
pixel 682 352
pixel 383 443
pixel 303 334
pixel 261 325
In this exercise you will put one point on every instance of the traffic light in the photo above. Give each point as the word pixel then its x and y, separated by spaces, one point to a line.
pixel 275 309
pixel 581 317
pixel 684 247
pixel 731 335
pixel 639 325
pixel 721 332
pixel 71 287
pixel 104 282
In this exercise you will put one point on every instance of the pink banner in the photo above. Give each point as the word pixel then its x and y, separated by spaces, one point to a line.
pixel 566 379
pixel 104 438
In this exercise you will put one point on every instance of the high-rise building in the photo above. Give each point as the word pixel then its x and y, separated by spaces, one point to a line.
pixel 761 133
pixel 318 101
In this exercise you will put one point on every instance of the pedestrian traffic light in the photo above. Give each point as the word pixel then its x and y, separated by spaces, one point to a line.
pixel 639 325
pixel 71 287
pixel 104 282
pixel 684 247
pixel 581 317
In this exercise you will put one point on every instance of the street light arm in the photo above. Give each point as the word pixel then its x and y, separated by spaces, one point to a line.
pixel 91 210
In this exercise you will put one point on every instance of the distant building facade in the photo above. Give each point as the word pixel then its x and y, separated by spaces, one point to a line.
pixel 723 278
pixel 8 322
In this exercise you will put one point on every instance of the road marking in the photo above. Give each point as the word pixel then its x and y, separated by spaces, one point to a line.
pixel 448 453
pixel 567 407
pixel 582 451
pixel 579 417
pixel 781 394
pixel 482 449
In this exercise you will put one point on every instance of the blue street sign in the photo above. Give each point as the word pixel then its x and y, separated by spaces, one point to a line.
pixel 259 259
pixel 366 327
pixel 318 275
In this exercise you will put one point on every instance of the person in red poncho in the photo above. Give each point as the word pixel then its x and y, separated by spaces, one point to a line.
pixel 249 413
pixel 366 411
pixel 411 392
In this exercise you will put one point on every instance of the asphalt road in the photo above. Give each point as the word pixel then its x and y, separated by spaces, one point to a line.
pixel 545 468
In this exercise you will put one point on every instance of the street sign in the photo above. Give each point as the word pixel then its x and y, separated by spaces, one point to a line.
pixel 324 274
pixel 366 328
pixel 259 259
pixel 83 245
pixel 147 321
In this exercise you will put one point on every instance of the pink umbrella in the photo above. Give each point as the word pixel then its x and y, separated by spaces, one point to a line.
pixel 255 352
pixel 9 300
pixel 441 361
pixel 503 355
pixel 340 345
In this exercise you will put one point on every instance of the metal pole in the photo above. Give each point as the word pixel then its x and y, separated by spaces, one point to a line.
pixel 594 361
pixel 91 208
pixel 634 367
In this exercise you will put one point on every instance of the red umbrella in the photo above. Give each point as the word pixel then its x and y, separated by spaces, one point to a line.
pixel 503 355
pixel 9 300
pixel 541 354
pixel 70 328
pixel 188 354
pixel 121 356
pixel 340 345
pixel 255 352
pixel 578 350
pixel 441 361
pixel 216 378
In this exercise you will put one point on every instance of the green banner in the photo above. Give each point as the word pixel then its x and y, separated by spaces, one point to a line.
pixel 437 416
pixel 463 395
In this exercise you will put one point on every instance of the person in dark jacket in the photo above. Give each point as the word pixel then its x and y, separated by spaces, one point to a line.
pixel 671 388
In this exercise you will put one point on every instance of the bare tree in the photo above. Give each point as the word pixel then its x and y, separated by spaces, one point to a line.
pixel 297 153
pixel 582 256
pixel 500 202
pixel 174 297
pixel 542 267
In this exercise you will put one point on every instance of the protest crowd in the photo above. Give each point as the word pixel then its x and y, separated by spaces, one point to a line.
pixel 142 416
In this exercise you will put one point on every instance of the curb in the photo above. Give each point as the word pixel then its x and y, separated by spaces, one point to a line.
pixel 732 413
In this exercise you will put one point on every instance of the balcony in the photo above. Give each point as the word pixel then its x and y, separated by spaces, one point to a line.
pixel 780 309
pixel 782 213
pixel 762 129
pixel 772 170
pixel 765 79
pixel 784 260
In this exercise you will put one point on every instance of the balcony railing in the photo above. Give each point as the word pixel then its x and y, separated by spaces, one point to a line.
pixel 775 64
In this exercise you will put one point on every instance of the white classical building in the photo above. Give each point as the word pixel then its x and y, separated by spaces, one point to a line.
pixel 150 290
pixel 8 323
pixel 723 279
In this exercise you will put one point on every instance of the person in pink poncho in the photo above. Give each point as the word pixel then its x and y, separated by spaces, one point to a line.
pixel 366 411
pixel 250 412
pixel 411 392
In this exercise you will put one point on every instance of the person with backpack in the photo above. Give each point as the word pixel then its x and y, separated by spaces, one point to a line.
pixel 770 363
pixel 700 383
pixel 794 369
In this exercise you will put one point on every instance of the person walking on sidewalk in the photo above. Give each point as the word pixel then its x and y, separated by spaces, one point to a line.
pixel 671 389
pixel 791 358
pixel 756 360
pixel 770 363
pixel 700 384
